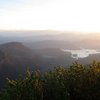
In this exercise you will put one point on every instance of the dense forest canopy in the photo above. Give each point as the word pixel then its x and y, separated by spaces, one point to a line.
pixel 78 82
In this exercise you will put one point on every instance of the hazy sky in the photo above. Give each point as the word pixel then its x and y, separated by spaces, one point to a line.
pixel 67 15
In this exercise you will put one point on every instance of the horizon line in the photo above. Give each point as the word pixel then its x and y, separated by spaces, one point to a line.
pixel 32 30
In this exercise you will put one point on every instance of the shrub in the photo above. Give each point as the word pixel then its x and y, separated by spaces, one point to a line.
pixel 78 82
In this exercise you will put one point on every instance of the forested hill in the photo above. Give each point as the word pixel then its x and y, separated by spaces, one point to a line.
pixel 78 82
pixel 15 58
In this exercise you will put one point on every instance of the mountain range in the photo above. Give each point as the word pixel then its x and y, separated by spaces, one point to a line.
pixel 41 52
pixel 16 58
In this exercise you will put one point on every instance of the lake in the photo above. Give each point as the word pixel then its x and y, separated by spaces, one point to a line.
pixel 81 53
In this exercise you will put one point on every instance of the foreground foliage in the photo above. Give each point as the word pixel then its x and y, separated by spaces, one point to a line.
pixel 75 83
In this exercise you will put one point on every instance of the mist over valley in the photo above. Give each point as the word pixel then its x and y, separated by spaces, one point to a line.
pixel 42 50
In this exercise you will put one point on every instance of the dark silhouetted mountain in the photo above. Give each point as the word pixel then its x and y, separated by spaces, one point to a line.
pixel 15 58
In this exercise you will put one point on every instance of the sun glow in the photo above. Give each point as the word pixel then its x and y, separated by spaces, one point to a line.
pixel 66 15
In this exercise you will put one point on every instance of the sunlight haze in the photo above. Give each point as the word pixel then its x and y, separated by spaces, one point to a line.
pixel 63 15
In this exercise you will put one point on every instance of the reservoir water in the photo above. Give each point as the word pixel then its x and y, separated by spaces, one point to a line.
pixel 81 53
